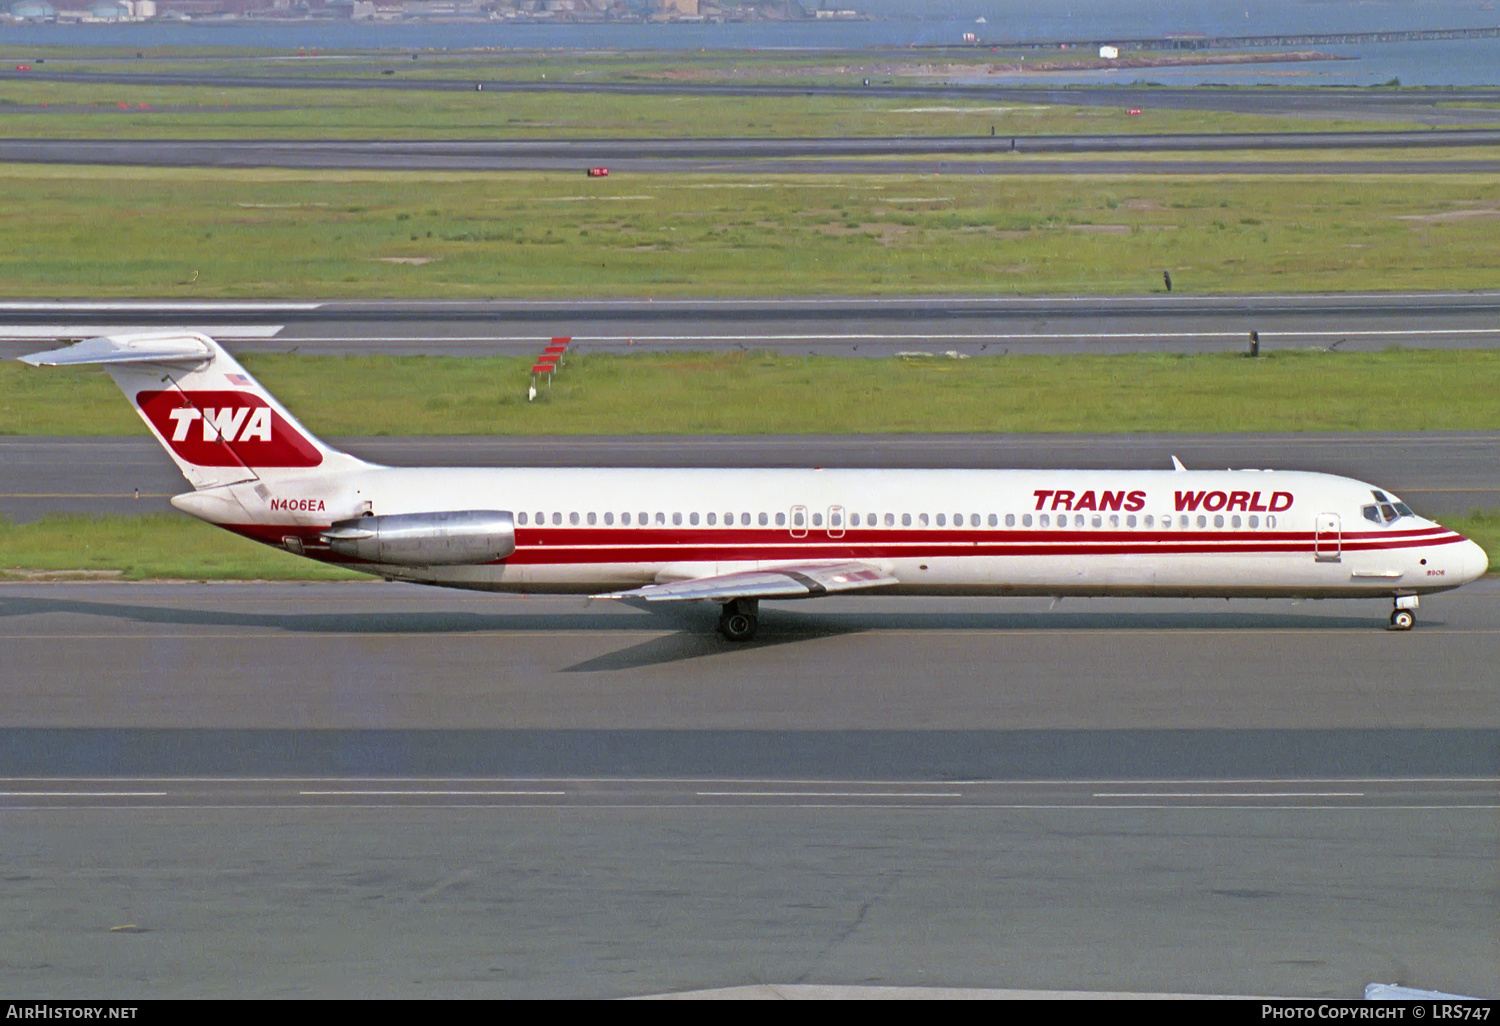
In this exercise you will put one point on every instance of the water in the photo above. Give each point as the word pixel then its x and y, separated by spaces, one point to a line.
pixel 1434 63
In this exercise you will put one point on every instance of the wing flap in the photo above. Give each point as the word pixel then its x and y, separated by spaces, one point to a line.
pixel 791 581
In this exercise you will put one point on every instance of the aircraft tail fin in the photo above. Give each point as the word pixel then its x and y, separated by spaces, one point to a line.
pixel 217 422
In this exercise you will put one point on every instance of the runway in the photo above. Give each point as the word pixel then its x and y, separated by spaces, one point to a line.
pixel 374 790
pixel 1437 472
pixel 875 326
pixel 906 156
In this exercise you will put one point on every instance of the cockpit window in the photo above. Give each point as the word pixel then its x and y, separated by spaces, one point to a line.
pixel 1388 508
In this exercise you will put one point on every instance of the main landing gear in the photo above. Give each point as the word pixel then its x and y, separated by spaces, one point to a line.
pixel 1404 616
pixel 739 619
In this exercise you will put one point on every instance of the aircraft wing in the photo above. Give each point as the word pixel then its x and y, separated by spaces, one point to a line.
pixel 792 581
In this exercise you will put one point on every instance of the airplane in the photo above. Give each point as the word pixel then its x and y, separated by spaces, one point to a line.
pixel 737 536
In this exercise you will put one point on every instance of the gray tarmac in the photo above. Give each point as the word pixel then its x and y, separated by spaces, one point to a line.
pixel 380 790
pixel 775 156
pixel 1438 472
pixel 843 326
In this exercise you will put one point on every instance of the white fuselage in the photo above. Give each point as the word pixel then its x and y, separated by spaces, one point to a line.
pixel 939 532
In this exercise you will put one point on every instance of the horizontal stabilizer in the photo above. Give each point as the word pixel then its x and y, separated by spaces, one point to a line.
pixel 794 581
pixel 147 347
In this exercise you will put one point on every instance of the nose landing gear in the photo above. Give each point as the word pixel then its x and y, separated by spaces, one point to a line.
pixel 1404 616
pixel 739 619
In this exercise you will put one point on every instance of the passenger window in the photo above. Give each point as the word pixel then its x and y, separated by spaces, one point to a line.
pixel 1026 520
pixel 797 520
pixel 763 520
pixel 1010 520
pixel 521 519
pixel 906 520
pixel 1234 521
pixel 974 520
pixel 1114 520
pixel 642 519
pixel 676 519
pixel 661 520
pixel 592 519
pixel 890 520
pixel 922 519
pixel 1130 521
pixel 557 519
pixel 942 520
pixel 853 519
pixel 1045 520
pixel 1202 522
pixel 1254 521
pixel 713 518
pixel 692 520
pixel 624 519
pixel 781 520
pixel 1270 523
pixel 1187 521
pixel 609 520
pixel 1219 520
pixel 744 519
pixel 1078 520
pixel 1098 521
pixel 1149 522
pixel 541 518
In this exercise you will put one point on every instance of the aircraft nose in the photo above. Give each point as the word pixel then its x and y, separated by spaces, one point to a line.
pixel 1476 561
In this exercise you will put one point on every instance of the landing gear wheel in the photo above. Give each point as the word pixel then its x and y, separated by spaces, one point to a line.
pixel 1403 620
pixel 739 619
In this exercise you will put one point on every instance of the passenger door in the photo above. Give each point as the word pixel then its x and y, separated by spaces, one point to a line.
pixel 1327 538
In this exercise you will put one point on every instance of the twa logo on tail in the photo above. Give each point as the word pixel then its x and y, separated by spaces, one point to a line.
pixel 225 429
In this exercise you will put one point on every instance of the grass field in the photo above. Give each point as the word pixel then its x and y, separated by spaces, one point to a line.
pixel 101 231
pixel 175 546
pixel 86 110
pixel 763 393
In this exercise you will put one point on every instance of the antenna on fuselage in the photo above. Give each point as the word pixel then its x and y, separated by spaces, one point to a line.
pixel 1177 464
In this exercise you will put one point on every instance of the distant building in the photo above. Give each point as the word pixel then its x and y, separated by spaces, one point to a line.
pixel 33 10
pixel 1109 53
pixel 109 10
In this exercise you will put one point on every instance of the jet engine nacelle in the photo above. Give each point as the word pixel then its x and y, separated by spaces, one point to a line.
pixel 457 538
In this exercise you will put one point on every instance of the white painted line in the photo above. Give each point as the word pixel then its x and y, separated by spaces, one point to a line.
pixel 166 306
pixel 456 794
pixel 219 331
pixel 828 794
pixel 905 337
pixel 1229 794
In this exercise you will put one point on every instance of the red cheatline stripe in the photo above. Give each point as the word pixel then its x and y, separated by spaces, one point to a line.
pixel 635 545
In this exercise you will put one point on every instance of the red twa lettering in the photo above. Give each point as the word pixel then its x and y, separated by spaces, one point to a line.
pixel 1086 501
pixel 1280 501
pixel 1111 500
pixel 1189 501
pixel 1255 504
pixel 1135 502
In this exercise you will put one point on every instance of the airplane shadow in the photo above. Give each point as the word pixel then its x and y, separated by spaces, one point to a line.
pixel 693 626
